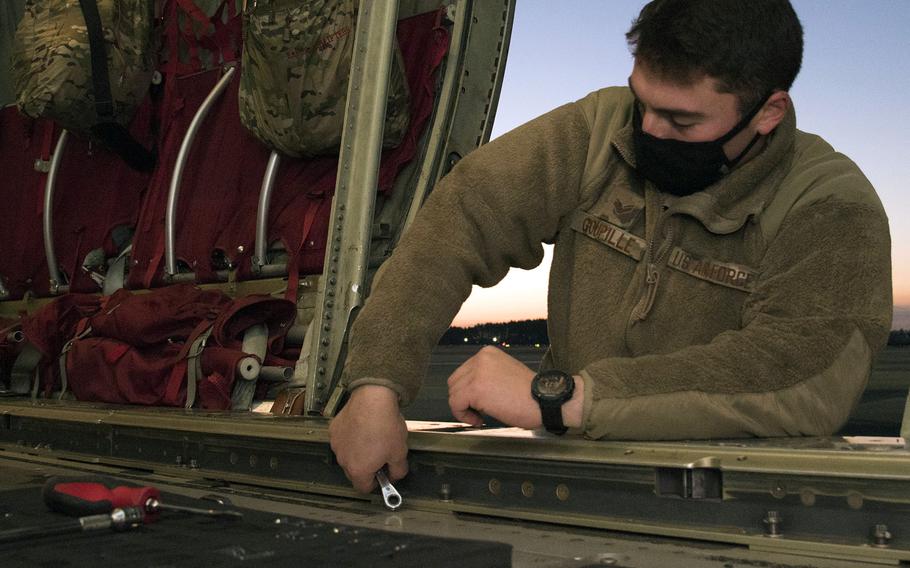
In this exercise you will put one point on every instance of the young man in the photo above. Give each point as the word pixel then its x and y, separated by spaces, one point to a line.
pixel 716 272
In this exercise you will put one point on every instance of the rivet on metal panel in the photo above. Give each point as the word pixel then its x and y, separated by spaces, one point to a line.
pixel 881 536
pixel 326 342
pixel 562 492
pixel 778 491
pixel 854 500
pixel 179 460
pixel 772 522
pixel 445 492
pixel 494 486
pixel 321 370
pixel 273 463
pixel 741 458
pixel 254 460
pixel 194 464
pixel 527 489
pixel 807 496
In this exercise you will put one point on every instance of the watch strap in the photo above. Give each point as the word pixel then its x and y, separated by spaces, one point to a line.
pixel 552 418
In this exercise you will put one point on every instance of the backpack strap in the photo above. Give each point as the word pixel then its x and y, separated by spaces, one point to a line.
pixel 62 359
pixel 114 135
pixel 309 219
pixel 194 365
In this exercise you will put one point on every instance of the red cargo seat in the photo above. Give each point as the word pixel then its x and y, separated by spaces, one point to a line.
pixel 95 192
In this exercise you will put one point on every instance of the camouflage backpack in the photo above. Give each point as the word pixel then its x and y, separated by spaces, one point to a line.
pixel 87 65
pixel 294 76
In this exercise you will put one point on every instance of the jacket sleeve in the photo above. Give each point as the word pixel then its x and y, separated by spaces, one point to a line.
pixel 820 311
pixel 490 213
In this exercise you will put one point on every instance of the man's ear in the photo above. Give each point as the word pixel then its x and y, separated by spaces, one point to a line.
pixel 773 111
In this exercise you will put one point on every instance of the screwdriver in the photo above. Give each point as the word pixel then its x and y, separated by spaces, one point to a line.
pixel 118 519
pixel 93 495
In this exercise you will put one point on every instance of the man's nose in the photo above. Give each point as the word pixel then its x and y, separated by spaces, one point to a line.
pixel 654 125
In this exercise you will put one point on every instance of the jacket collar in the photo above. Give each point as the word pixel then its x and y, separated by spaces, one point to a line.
pixel 726 205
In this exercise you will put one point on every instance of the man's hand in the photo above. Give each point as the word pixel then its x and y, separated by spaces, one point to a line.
pixel 368 434
pixel 496 384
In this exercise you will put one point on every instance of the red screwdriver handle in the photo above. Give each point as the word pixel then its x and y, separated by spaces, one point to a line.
pixel 95 495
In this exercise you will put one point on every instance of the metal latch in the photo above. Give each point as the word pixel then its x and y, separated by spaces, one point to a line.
pixel 689 483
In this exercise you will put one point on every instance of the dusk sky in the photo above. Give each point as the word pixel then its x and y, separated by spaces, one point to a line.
pixel 853 90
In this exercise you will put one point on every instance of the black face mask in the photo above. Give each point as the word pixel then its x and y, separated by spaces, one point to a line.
pixel 682 168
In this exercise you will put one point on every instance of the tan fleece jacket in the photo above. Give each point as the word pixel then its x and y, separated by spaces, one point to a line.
pixel 753 307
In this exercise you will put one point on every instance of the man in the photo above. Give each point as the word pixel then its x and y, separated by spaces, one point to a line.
pixel 716 273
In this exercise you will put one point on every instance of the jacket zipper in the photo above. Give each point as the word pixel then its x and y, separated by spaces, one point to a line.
pixel 652 271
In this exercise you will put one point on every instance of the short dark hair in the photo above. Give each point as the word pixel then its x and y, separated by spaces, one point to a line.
pixel 752 47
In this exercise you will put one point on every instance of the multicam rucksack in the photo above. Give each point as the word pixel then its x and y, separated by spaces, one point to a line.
pixel 87 64
pixel 294 75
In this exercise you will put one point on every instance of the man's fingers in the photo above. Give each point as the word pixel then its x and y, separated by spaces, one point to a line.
pixel 364 483
pixel 398 469
pixel 462 411
pixel 458 374
pixel 469 416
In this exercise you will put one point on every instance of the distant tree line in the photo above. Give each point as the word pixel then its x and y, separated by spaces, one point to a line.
pixel 532 332
pixel 525 332
pixel 899 337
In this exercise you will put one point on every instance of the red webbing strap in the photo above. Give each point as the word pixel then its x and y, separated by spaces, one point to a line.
pixel 226 32
pixel 294 263
pixel 173 35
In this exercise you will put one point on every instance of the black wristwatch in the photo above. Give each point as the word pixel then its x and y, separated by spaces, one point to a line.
pixel 552 389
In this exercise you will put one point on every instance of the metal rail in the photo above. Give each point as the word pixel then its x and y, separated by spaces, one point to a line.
pixel 341 293
pixel 474 52
pixel 260 253
pixel 818 497
pixel 57 285
pixel 170 222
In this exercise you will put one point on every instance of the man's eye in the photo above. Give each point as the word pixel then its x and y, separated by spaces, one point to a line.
pixel 681 125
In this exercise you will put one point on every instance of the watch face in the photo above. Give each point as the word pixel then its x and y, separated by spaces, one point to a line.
pixel 551 385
